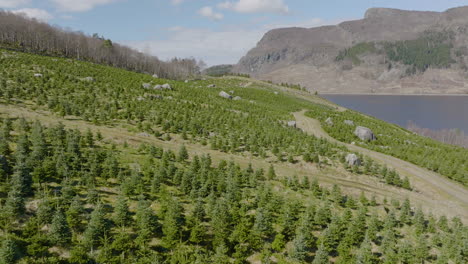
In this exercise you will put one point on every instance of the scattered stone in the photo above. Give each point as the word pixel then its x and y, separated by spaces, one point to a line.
pixel 237 98
pixel 88 79
pixel 144 134
pixel 329 121
pixel 276 93
pixel 292 124
pixel 146 85
pixel 212 134
pixel 252 101
pixel 166 86
pixel 186 81
pixel 140 98
pixel 353 160
pixel 157 87
pixel 225 95
pixel 155 76
pixel 211 86
pixel 231 92
pixel 39 75
pixel 169 97
pixel 364 133
pixel 154 96
pixel 349 122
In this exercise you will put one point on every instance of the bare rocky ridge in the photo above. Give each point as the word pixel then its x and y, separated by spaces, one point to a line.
pixel 308 56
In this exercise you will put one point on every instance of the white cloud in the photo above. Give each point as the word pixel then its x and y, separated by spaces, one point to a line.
pixel 208 12
pixel 79 5
pixel 38 14
pixel 256 6
pixel 214 47
pixel 13 3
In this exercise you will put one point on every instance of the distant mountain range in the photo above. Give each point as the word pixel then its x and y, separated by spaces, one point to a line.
pixel 389 51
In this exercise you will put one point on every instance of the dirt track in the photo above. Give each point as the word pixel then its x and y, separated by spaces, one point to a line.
pixel 435 192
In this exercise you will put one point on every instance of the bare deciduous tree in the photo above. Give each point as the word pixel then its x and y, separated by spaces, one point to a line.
pixel 30 35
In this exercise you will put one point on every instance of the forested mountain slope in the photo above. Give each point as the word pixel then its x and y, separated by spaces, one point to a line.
pixel 214 180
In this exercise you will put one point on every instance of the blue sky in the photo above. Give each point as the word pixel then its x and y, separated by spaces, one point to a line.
pixel 217 31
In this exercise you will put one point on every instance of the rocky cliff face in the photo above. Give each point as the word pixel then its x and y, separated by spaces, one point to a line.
pixel 309 56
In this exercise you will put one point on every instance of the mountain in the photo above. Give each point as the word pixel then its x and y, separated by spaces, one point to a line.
pixel 103 165
pixel 388 51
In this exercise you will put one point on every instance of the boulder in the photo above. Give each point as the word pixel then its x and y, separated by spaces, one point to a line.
pixel 349 122
pixel 225 95
pixel 157 87
pixel 211 86
pixel 364 133
pixel 353 160
pixel 153 96
pixel 88 79
pixel 146 85
pixel 329 121
pixel 292 124
pixel 166 86
pixel 237 98
pixel 38 75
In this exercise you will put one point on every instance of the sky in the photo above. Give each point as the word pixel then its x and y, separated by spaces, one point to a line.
pixel 215 31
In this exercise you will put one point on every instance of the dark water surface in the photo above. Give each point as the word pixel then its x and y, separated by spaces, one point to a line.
pixel 434 112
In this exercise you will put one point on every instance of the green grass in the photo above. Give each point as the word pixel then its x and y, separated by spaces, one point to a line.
pixel 450 161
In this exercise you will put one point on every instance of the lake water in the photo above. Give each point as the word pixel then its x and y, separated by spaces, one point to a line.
pixel 434 112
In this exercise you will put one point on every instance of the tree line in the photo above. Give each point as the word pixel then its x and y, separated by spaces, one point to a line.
pixel 20 33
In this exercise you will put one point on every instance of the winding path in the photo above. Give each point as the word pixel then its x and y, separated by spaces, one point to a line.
pixel 435 192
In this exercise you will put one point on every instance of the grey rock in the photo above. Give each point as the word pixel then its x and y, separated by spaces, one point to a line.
pixel 225 95
pixel 211 86
pixel 88 79
pixel 166 86
pixel 186 81
pixel 329 121
pixel 39 75
pixel 146 85
pixel 349 122
pixel 353 160
pixel 155 76
pixel 237 98
pixel 292 124
pixel 154 96
pixel 157 87
pixel 364 133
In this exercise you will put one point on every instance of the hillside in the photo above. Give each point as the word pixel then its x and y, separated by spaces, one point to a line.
pixel 388 51
pixel 24 34
pixel 104 165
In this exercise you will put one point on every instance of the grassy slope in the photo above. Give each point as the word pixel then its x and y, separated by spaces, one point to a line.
pixel 450 161
pixel 259 108
pixel 109 105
